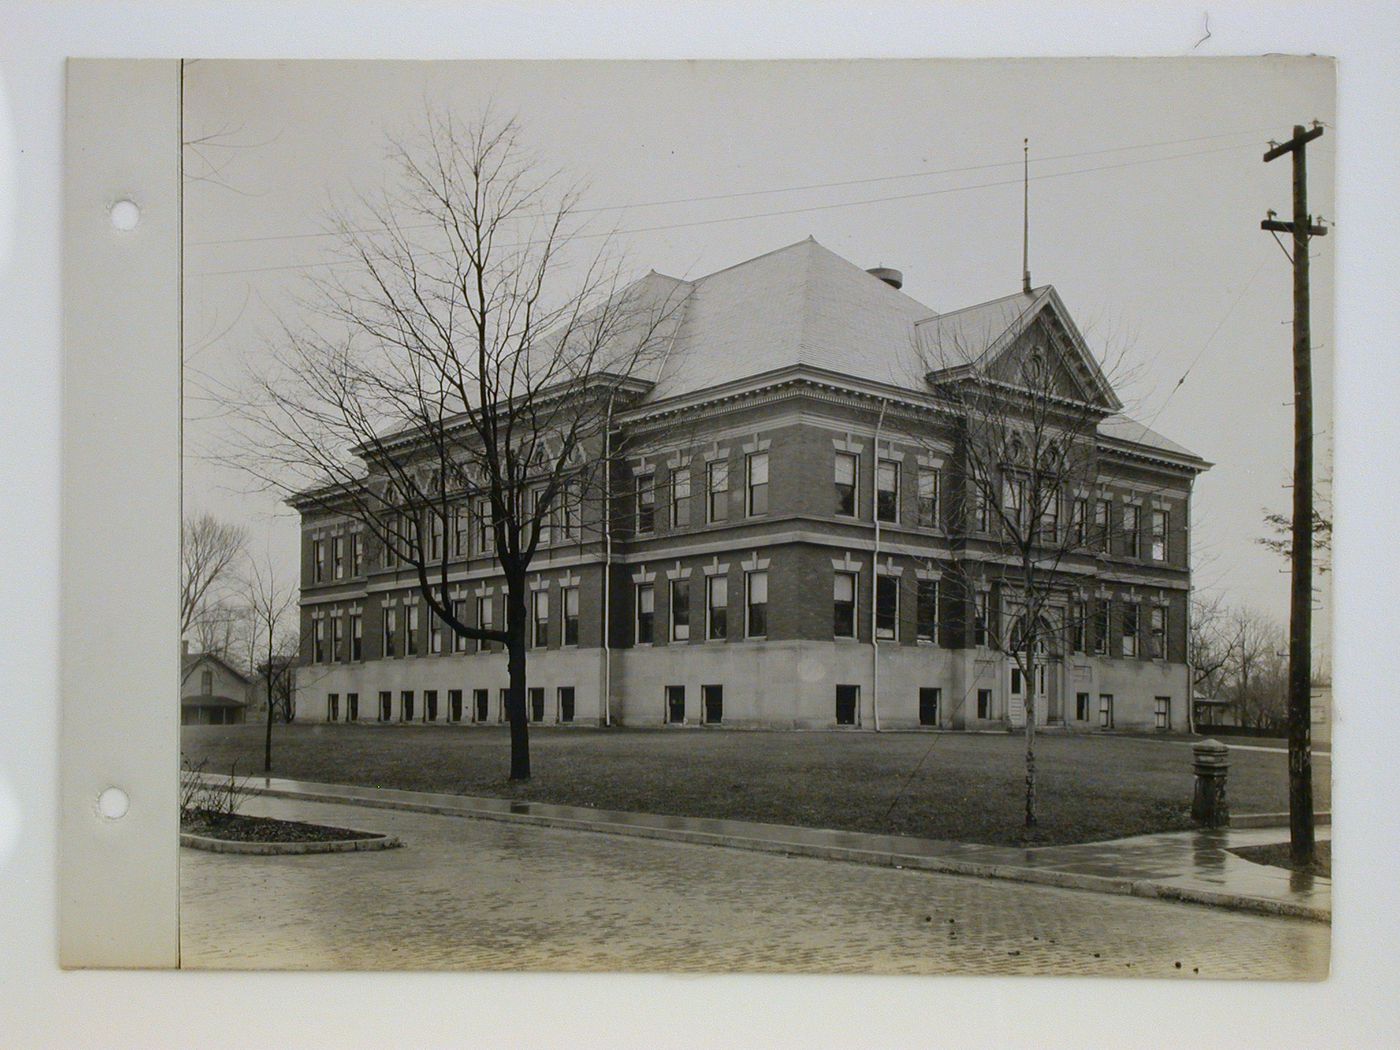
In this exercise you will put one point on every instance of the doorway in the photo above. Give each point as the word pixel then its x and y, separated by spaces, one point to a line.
pixel 675 705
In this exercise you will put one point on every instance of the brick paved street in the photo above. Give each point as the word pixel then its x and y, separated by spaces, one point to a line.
pixel 466 894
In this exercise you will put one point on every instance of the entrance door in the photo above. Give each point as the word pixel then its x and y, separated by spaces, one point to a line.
pixel 1016 702
pixel 454 705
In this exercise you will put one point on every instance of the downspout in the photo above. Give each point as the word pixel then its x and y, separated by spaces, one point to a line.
pixel 875 573
pixel 607 563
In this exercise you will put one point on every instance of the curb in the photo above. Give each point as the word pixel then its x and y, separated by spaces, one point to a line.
pixel 942 865
pixel 288 849
pixel 1274 820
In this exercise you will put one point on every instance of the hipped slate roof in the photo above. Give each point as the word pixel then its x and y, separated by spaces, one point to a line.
pixel 799 305
pixel 805 305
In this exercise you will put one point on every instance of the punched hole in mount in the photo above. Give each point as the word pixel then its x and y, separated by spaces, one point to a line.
pixel 113 803
pixel 125 215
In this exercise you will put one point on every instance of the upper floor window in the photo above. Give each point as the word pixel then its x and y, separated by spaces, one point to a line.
pixel 1049 523
pixel 459 613
pixel 680 498
pixel 337 557
pixel 1101 615
pixel 485 609
pixel 981 617
pixel 318 557
pixel 539 618
pixel 568 515
pixel 1130 629
pixel 646 613
pixel 927 611
pixel 1103 525
pixel 886 606
pixel 337 638
pixel 1013 501
pixel 717 607
pixel 391 630
pixel 435 536
pixel 1079 521
pixel 318 635
pixel 757 467
pixel 410 633
pixel 887 490
pixel 929 485
pixel 461 531
pixel 843 597
pixel 357 636
pixel 1158 627
pixel 756 583
pixel 206 682
pixel 569 597
pixel 847 471
pixel 1132 536
pixel 357 553
pixel 646 502
pixel 1077 627
pixel 540 514
pixel 1159 535
pixel 680 610
pixel 485 529
pixel 435 629
pixel 981 507
pixel 718 509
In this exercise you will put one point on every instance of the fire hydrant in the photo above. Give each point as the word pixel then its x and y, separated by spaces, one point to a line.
pixel 1209 806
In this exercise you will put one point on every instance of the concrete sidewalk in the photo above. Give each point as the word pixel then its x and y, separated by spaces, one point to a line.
pixel 1192 866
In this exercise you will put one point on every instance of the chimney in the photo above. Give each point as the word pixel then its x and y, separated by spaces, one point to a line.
pixel 184 648
pixel 891 277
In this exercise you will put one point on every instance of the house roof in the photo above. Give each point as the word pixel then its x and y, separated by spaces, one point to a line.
pixel 192 660
pixel 799 305
pixel 1120 428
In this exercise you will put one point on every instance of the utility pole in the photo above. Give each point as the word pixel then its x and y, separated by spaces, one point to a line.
pixel 1300 793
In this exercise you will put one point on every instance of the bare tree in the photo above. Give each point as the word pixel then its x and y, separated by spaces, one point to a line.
pixel 1214 636
pixel 1026 398
pixel 465 366
pixel 208 550
pixel 1257 670
pixel 271 604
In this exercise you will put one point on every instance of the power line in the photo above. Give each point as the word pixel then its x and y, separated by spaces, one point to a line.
pixel 758 193
pixel 785 211
pixel 1206 345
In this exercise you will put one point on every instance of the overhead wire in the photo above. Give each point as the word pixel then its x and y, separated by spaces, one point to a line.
pixel 786 211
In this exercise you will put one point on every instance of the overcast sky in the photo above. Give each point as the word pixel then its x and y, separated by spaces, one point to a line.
pixel 1147 190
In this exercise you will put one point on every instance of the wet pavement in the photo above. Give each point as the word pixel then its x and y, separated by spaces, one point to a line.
pixel 494 895
pixel 1191 866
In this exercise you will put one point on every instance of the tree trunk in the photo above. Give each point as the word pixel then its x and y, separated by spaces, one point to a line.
pixel 1030 733
pixel 515 699
pixel 267 740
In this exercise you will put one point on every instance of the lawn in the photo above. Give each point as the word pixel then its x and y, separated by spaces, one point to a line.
pixel 967 787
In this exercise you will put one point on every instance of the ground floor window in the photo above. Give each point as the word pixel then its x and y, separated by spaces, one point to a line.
pixel 406 705
pixel 847 697
pixel 984 703
pixel 1105 710
pixel 385 704
pixel 712 701
pixel 430 706
pixel 481 700
pixel 929 698
pixel 454 705
pixel 352 707
pixel 566 703
pixel 675 704
pixel 505 703
pixel 536 704
pixel 1081 707
pixel 332 707
pixel 1164 712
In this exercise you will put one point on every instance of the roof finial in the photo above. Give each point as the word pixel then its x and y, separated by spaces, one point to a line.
pixel 1026 216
